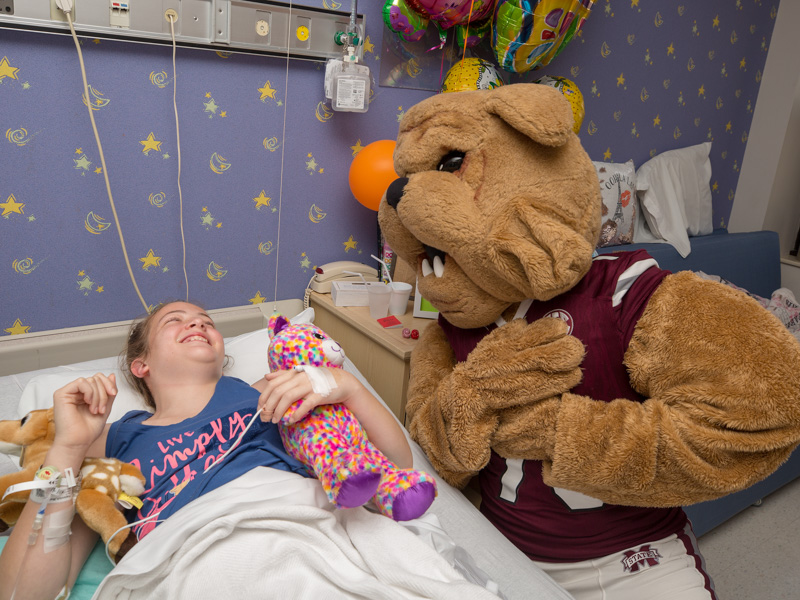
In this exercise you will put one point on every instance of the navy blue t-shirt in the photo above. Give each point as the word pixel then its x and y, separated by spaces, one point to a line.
pixel 173 458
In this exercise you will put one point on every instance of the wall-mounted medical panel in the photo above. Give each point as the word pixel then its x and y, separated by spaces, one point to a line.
pixel 251 26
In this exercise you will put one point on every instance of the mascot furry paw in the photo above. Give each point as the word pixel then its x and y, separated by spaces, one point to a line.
pixel 105 481
pixel 648 391
pixel 330 441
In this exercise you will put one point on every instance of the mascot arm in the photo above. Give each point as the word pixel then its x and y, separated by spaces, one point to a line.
pixel 453 407
pixel 722 410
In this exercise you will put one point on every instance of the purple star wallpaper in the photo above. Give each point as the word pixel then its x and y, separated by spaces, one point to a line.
pixel 263 196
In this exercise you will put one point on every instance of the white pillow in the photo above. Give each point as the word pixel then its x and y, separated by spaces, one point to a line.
pixel 675 196
pixel 38 394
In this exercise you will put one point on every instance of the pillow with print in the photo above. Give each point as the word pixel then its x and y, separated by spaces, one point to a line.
pixel 618 189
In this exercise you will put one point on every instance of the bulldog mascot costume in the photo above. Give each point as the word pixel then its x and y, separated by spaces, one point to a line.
pixel 591 397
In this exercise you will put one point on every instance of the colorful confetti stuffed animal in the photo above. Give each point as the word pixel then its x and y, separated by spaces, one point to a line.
pixel 330 440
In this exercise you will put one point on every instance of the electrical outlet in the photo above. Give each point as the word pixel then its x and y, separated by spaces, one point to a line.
pixel 56 14
pixel 120 13
pixel 7 7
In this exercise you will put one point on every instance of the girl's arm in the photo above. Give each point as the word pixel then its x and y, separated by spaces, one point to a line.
pixel 81 410
pixel 280 389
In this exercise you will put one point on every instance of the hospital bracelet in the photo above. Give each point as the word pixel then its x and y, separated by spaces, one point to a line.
pixel 49 485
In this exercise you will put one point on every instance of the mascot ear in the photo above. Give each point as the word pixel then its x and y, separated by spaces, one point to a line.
pixel 537 111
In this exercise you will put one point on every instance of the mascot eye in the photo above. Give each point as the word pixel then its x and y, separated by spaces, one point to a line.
pixel 319 336
pixel 451 162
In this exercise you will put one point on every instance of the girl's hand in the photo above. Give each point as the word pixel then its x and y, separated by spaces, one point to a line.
pixel 81 409
pixel 284 388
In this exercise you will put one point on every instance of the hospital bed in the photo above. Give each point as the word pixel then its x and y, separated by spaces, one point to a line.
pixel 33 365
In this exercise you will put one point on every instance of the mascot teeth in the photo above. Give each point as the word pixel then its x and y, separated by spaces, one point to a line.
pixel 438 266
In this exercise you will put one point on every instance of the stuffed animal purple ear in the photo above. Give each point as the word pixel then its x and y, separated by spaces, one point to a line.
pixel 330 441
pixel 277 323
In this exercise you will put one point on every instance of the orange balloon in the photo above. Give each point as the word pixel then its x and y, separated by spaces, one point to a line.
pixel 371 172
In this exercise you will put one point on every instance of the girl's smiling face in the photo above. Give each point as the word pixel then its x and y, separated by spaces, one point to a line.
pixel 184 332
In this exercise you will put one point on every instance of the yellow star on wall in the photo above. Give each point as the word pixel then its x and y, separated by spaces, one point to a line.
pixel 357 148
pixel 267 91
pixel 620 80
pixel 368 45
pixel 657 121
pixel 11 206
pixel 151 260
pixel 671 50
pixel 607 154
pixel 17 328
pixel 6 70
pixel 350 244
pixel 258 298
pixel 151 143
pixel 261 200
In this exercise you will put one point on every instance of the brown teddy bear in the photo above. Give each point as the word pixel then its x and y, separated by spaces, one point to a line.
pixel 589 431
pixel 105 481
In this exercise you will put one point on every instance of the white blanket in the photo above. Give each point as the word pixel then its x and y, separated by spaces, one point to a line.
pixel 272 534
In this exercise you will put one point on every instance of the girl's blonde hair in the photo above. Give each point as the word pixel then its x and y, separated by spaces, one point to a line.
pixel 138 346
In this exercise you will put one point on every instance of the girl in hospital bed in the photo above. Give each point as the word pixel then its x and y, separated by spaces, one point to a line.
pixel 202 433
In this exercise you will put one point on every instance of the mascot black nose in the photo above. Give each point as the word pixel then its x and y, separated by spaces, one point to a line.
pixel 394 192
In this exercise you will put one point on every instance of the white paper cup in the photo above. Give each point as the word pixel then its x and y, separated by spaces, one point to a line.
pixel 379 296
pixel 398 303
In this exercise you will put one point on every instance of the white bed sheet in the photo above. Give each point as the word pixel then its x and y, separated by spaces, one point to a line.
pixel 516 575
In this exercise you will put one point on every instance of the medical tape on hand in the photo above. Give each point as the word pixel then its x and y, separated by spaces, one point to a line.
pixel 57 529
pixel 322 382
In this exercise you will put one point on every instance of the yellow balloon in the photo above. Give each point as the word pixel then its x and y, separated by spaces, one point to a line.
pixel 573 95
pixel 471 74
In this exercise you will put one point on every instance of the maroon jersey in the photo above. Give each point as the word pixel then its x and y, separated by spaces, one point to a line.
pixel 556 525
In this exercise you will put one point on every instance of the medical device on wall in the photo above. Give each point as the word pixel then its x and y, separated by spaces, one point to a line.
pixel 348 83
pixel 249 26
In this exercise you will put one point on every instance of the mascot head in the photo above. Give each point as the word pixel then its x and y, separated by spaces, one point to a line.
pixel 496 201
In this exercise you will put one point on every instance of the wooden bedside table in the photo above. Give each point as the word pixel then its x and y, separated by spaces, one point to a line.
pixel 382 355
